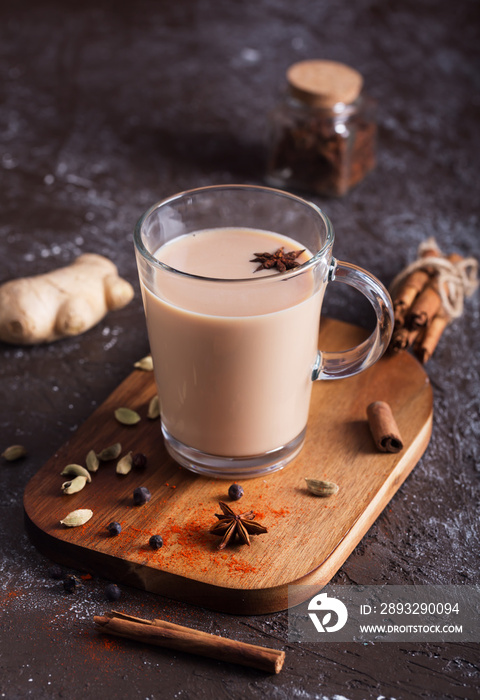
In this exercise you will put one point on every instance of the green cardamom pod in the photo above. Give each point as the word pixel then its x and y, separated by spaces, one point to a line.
pixel 77 517
pixel 124 465
pixel 127 416
pixel 92 461
pixel 146 364
pixel 111 452
pixel 74 485
pixel 154 408
pixel 321 488
pixel 14 452
pixel 76 470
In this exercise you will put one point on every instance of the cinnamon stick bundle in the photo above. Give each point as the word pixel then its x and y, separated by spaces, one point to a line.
pixel 437 319
pixel 427 296
pixel 414 284
pixel 167 634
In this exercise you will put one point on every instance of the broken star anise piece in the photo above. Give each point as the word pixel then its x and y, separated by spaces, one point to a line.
pixel 281 260
pixel 231 524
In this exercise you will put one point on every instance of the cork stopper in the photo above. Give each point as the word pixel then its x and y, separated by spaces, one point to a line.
pixel 324 83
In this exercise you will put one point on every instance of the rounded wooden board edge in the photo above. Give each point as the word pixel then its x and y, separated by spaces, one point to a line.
pixel 162 583
pixel 247 601
pixel 323 574
pixel 258 601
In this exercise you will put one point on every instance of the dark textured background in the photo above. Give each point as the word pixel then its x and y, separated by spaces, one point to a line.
pixel 107 107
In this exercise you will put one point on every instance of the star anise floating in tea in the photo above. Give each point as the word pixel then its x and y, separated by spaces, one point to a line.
pixel 281 260
pixel 230 525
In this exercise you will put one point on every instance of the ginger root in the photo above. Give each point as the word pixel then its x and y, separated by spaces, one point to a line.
pixel 61 303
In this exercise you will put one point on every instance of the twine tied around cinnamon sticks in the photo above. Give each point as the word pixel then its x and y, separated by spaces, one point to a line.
pixel 427 295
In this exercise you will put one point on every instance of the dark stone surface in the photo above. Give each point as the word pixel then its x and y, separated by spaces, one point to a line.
pixel 107 107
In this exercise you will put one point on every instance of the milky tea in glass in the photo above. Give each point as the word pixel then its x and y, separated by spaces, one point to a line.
pixel 235 348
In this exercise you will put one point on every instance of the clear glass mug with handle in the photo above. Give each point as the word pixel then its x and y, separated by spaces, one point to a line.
pixel 235 348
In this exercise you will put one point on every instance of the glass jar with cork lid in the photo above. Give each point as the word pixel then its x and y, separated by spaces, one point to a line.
pixel 323 134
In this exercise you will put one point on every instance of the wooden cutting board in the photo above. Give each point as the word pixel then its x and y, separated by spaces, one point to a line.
pixel 308 537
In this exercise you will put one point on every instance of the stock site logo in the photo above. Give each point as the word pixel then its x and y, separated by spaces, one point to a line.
pixel 329 622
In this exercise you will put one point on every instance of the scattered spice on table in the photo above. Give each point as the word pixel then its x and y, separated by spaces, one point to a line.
pixel 70 584
pixel 14 452
pixel 113 592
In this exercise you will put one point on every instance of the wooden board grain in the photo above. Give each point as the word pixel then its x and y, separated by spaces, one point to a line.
pixel 308 537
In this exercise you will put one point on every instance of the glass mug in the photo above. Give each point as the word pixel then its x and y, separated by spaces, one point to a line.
pixel 234 349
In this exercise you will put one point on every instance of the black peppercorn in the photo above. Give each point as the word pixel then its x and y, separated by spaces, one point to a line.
pixel 141 495
pixel 114 528
pixel 155 542
pixel 112 592
pixel 235 492
pixel 139 461
pixel 70 584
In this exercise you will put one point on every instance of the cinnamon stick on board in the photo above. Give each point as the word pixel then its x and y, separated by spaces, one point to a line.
pixel 384 427
pixel 167 634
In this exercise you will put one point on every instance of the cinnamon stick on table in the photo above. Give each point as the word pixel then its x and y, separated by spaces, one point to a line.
pixel 167 634
pixel 384 427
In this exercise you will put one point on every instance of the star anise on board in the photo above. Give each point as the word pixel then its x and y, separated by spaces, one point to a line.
pixel 230 525
pixel 281 260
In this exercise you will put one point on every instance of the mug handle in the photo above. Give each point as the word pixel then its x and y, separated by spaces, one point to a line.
pixel 346 363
